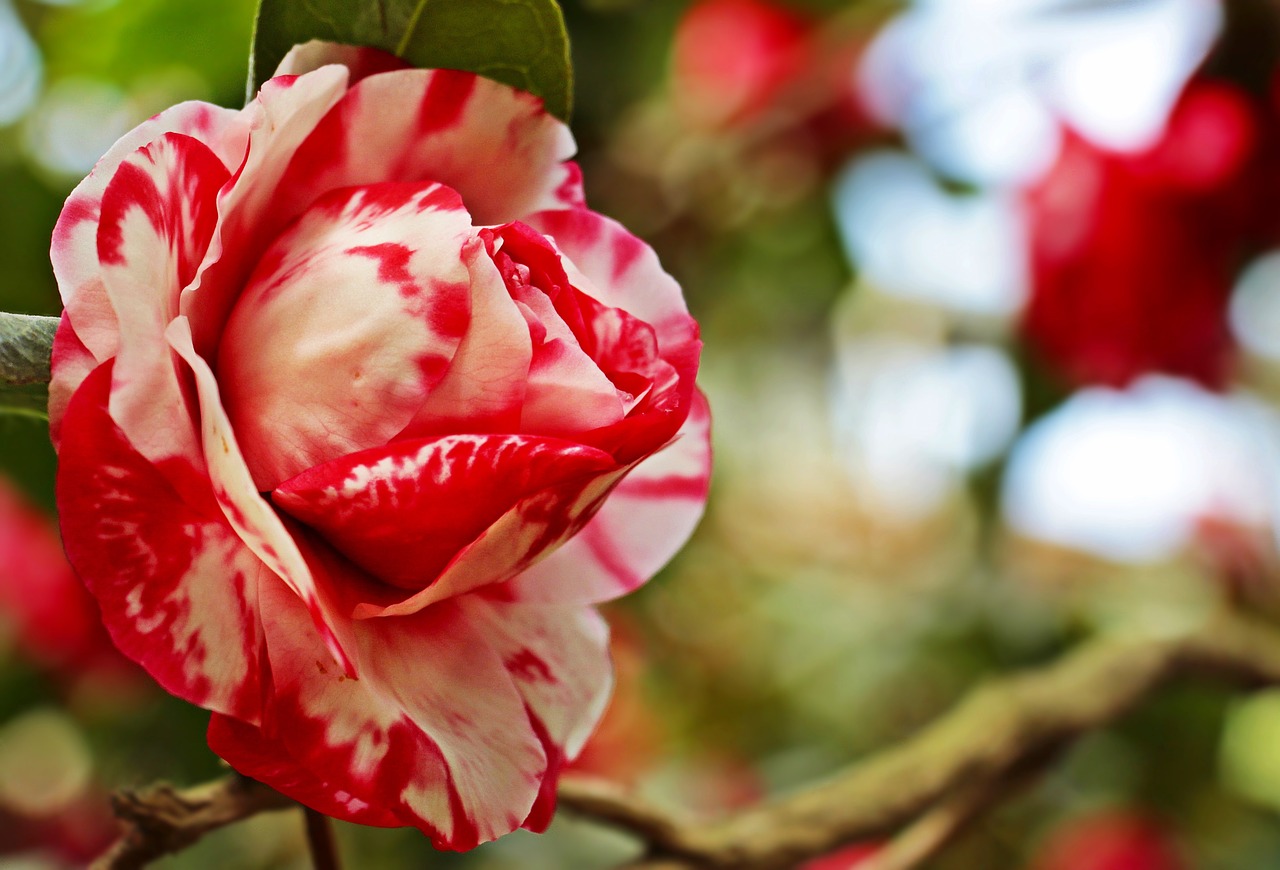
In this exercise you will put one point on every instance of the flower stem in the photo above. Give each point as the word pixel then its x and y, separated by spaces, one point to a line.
pixel 320 840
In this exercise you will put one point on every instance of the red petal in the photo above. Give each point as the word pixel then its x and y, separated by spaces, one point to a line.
pixel 176 586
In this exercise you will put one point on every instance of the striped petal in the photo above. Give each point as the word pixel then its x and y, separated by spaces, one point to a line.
pixel 284 113
pixel 558 658
pixel 252 518
pixel 493 144
pixel 484 389
pixel 177 588
pixel 433 734
pixel 71 363
pixel 404 512
pixel 618 270
pixel 157 216
pixel 351 320
pixel 75 237
pixel 645 521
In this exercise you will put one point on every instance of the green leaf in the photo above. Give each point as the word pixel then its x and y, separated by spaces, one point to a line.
pixel 26 343
pixel 522 43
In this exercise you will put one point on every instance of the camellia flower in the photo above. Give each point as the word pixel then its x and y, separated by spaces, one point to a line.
pixel 1134 255
pixel 359 410
pixel 733 58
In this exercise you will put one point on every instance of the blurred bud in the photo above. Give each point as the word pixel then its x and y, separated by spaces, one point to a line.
pixel 1114 840
pixel 49 614
pixel 733 58
pixel 849 858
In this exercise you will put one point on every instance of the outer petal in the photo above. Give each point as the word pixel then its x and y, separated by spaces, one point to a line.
pixel 404 512
pixel 558 658
pixel 253 519
pixel 158 214
pixel 361 61
pixel 352 318
pixel 283 115
pixel 71 364
pixel 493 144
pixel 178 589
pixel 75 238
pixel 649 516
pixel 433 730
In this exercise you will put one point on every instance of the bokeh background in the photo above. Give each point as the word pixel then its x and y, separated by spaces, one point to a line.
pixel 990 291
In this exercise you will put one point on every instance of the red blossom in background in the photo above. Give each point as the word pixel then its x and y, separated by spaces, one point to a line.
pixel 359 410
pixel 734 58
pixel 1134 255
pixel 53 619
pixel 848 858
pixel 1109 841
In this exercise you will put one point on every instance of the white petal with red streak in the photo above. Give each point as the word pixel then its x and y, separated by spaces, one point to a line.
pixel 495 145
pixel 614 267
pixel 558 657
pixel 176 586
pixel 566 393
pixel 433 730
pixel 644 522
pixel 252 518
pixel 157 215
pixel 74 251
pixel 351 321
pixel 361 61
pixel 284 113
pixel 485 386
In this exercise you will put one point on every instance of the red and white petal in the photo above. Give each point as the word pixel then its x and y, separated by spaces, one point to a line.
pixel 615 268
pixel 177 588
pixel 158 214
pixel 350 322
pixel 433 730
pixel 566 393
pixel 644 522
pixel 484 389
pixel 495 145
pixel 75 237
pixel 568 191
pixel 248 514
pixel 284 113
pixel 534 528
pixel 70 365
pixel 558 658
pixel 403 512
pixel 359 60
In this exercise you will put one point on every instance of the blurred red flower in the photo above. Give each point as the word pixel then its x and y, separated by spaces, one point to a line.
pixel 47 611
pixel 733 58
pixel 848 858
pixel 1112 840
pixel 1134 256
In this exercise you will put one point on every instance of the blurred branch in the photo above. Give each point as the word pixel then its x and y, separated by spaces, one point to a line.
pixel 927 788
pixel 26 344
pixel 949 771
pixel 159 820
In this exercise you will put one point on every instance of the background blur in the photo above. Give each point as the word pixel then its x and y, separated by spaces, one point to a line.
pixel 990 291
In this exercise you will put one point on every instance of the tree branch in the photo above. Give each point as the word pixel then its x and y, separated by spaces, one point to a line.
pixel 159 820
pixel 991 735
pixel 26 344
pixel 926 788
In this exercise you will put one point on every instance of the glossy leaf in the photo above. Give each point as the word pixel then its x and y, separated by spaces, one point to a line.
pixel 521 43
